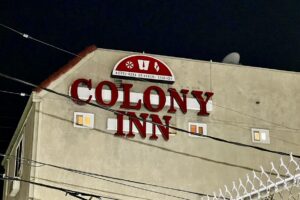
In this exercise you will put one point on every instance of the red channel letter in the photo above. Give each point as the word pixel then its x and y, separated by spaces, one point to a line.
pixel 74 90
pixel 161 97
pixel 164 129
pixel 201 101
pixel 126 100
pixel 114 93
pixel 180 101
pixel 140 124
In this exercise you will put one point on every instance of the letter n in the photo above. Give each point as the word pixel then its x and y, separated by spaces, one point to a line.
pixel 164 129
pixel 139 124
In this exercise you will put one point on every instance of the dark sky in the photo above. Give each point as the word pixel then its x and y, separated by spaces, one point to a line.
pixel 265 33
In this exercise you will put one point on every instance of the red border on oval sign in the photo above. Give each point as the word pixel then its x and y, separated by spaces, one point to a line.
pixel 143 67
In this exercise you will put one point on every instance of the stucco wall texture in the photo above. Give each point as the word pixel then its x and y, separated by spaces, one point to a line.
pixel 244 98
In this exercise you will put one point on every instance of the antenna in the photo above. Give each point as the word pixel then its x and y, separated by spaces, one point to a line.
pixel 232 58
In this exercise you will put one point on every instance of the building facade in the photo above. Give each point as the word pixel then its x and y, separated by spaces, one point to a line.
pixel 138 126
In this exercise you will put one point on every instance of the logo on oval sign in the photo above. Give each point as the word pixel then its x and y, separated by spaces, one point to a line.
pixel 143 67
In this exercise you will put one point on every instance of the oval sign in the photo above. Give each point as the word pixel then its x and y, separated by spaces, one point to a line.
pixel 143 67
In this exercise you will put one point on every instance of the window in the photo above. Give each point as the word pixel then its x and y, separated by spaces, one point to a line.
pixel 197 129
pixel 19 157
pixel 83 120
pixel 260 136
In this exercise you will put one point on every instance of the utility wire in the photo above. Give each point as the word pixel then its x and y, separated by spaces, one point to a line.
pixel 124 184
pixel 247 128
pixel 119 183
pixel 74 54
pixel 168 126
pixel 244 125
pixel 175 128
pixel 87 174
pixel 15 93
pixel 105 108
pixel 7 117
pixel 37 40
pixel 290 130
pixel 6 127
pixel 95 175
pixel 254 117
pixel 67 191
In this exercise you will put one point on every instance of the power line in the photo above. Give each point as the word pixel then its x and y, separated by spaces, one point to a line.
pixel 15 93
pixel 95 175
pixel 47 44
pixel 257 118
pixel 115 182
pixel 37 40
pixel 124 184
pixel 74 54
pixel 25 162
pixel 6 127
pixel 218 139
pixel 290 130
pixel 247 128
pixel 7 117
pixel 67 191
pixel 168 126
pixel 95 190
pixel 175 128
pixel 244 125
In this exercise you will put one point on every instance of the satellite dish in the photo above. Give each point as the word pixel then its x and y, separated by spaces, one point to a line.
pixel 232 58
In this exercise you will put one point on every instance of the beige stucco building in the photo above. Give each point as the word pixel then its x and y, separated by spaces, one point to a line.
pixel 250 105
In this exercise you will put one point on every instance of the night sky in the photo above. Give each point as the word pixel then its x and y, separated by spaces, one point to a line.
pixel 265 33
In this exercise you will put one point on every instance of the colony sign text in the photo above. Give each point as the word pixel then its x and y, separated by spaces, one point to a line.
pixel 141 65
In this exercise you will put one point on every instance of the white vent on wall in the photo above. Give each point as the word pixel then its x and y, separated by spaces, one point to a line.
pixel 14 188
pixel 260 136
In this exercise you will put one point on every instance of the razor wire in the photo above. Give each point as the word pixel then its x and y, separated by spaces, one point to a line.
pixel 282 182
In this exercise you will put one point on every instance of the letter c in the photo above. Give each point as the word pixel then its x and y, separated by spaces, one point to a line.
pixel 74 90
